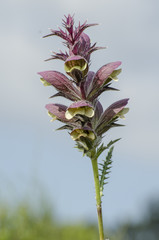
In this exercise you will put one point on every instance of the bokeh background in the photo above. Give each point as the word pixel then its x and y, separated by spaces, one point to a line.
pixel 38 164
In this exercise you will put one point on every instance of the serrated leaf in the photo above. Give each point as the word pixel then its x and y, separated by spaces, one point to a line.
pixel 106 167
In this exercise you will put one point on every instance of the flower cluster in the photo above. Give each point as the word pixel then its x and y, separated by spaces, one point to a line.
pixel 84 118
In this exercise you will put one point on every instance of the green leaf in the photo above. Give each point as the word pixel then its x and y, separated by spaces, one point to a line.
pixel 112 142
pixel 102 148
pixel 106 166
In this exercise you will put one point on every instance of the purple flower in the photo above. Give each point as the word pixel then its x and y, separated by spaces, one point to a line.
pixel 84 132
pixel 77 67
pixel 84 118
pixel 81 108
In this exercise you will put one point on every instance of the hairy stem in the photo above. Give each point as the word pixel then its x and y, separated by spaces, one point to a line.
pixel 98 198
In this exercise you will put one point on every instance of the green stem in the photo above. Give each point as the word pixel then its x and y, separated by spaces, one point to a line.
pixel 98 198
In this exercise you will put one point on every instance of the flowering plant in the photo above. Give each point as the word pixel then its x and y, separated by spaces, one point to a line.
pixel 85 118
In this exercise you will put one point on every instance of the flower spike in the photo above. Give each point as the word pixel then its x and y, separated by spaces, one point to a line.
pixel 84 119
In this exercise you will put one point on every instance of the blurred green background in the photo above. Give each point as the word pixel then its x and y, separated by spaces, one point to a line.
pixel 24 223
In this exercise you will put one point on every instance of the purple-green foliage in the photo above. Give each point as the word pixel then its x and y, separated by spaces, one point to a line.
pixel 84 118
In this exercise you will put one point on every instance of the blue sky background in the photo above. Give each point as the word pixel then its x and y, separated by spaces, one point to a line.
pixel 34 158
